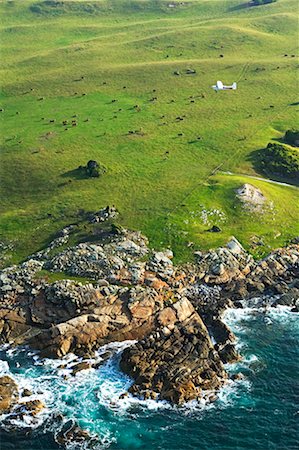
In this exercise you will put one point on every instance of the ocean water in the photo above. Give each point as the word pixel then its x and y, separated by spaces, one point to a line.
pixel 258 413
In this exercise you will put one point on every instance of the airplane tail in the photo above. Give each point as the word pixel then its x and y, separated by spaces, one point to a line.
pixel 234 86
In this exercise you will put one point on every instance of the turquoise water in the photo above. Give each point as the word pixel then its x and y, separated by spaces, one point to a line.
pixel 260 412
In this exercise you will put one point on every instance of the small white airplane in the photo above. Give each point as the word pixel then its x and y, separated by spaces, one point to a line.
pixel 219 86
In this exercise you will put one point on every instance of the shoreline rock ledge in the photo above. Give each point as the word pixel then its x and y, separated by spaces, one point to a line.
pixel 134 293
pixel 177 361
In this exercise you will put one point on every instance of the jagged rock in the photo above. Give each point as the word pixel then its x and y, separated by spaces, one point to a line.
pixel 16 280
pixel 72 435
pixel 289 298
pixel 129 315
pixel 32 407
pixel 224 264
pixel 161 264
pixel 177 366
pixel 27 393
pixel 164 307
pixel 190 71
pixel 229 354
pixel 9 394
pixel 167 317
pixel 220 331
pixel 184 309
pixel 116 259
pixel 84 365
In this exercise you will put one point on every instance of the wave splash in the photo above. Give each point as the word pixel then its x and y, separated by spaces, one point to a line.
pixel 96 399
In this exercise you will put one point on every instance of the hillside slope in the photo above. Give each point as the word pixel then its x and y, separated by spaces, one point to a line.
pixel 110 66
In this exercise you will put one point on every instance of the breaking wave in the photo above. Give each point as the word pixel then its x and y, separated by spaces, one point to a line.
pixel 96 398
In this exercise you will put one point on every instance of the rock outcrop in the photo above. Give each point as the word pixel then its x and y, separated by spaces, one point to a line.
pixel 176 362
pixel 128 315
pixel 240 277
pixel 223 265
pixel 9 394
pixel 252 198
pixel 11 402
pixel 173 312
pixel 116 259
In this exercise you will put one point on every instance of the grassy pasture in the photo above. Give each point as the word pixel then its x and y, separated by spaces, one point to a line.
pixel 128 51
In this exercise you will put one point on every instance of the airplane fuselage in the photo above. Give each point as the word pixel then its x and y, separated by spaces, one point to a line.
pixel 219 86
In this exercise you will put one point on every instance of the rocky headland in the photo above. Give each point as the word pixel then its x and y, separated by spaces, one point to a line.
pixel 131 292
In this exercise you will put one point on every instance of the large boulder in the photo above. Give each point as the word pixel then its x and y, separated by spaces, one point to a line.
pixel 251 198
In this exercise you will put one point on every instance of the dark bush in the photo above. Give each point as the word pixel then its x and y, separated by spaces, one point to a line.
pixel 279 161
pixel 292 137
pixel 94 169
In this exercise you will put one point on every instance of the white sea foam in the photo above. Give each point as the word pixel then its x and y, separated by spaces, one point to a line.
pixel 108 383
pixel 4 367
pixel 87 395
pixel 236 318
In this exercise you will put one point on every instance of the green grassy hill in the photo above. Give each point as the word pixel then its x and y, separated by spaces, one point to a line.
pixel 54 52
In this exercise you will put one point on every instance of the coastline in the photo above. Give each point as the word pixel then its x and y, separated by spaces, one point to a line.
pixel 182 351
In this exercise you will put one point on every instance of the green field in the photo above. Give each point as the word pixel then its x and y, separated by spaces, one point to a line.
pixel 54 52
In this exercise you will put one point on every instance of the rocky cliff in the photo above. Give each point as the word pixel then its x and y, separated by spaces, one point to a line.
pixel 174 313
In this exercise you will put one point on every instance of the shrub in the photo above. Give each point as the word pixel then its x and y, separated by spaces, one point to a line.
pixel 280 161
pixel 292 137
pixel 94 169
